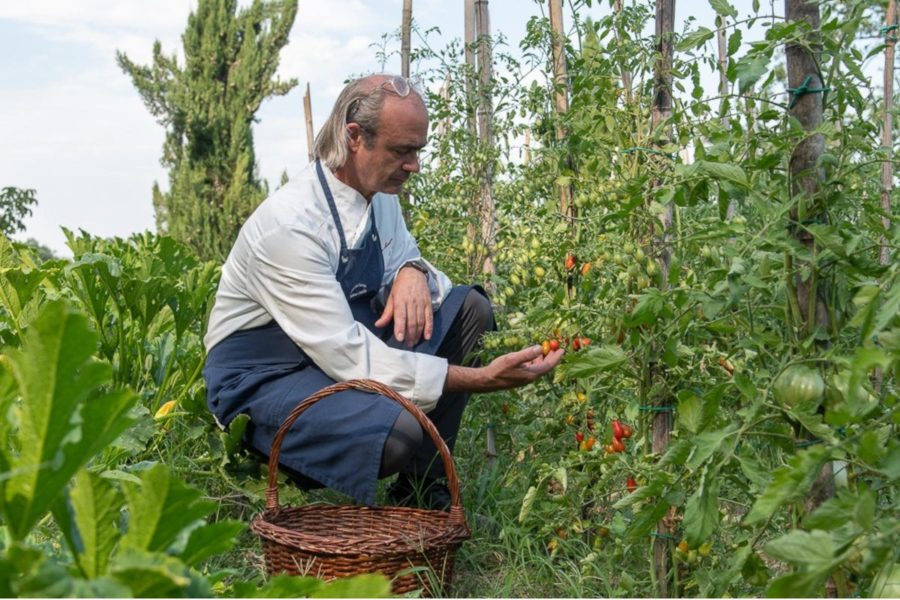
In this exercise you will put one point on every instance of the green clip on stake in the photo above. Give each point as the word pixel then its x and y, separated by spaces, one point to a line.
pixel 805 89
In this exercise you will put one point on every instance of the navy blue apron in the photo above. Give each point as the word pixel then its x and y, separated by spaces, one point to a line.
pixel 262 372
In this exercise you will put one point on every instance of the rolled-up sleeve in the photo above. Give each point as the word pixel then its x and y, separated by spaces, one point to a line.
pixel 291 276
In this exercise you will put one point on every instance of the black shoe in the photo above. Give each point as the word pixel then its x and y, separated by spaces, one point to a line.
pixel 426 493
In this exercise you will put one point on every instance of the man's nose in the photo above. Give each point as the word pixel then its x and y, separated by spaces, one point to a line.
pixel 412 165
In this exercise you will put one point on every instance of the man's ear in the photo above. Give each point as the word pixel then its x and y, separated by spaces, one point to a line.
pixel 354 136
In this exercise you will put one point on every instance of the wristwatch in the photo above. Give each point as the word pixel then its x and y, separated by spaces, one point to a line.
pixel 418 264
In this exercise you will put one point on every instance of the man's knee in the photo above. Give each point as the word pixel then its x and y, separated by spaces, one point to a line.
pixel 478 311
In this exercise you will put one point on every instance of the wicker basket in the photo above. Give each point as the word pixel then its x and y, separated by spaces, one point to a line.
pixel 413 546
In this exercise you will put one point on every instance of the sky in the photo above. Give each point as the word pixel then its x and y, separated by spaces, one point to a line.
pixel 73 128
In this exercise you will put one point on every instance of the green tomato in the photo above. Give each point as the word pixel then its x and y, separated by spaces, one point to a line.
pixel 799 385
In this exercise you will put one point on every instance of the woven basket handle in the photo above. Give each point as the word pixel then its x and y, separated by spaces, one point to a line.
pixel 457 515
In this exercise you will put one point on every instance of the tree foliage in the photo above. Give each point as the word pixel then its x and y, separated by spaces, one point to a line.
pixel 15 205
pixel 207 107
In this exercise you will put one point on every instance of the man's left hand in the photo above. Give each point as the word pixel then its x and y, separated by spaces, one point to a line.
pixel 409 306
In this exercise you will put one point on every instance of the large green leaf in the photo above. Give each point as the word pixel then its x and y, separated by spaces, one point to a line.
pixel 813 549
pixel 807 584
pixel 790 482
pixel 722 7
pixel 156 575
pixel 595 360
pixel 89 520
pixel 65 417
pixel 289 586
pixel 209 540
pixel 701 514
pixel 159 508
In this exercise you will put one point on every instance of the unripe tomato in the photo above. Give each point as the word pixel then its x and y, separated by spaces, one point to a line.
pixel 581 397
pixel 603 531
pixel 539 272
pixel 589 443
pixel 683 546
pixel 570 419
pixel 585 268
pixel 545 347
pixel 799 385
pixel 704 549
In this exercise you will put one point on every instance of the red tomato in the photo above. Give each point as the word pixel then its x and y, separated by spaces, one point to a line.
pixel 576 344
pixel 554 344
pixel 631 484
pixel 627 431
pixel 579 437
pixel 617 429
pixel 570 261
pixel 617 445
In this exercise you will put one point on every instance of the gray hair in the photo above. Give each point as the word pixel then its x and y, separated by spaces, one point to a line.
pixel 359 102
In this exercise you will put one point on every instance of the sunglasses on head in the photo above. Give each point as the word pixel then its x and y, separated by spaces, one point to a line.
pixel 395 84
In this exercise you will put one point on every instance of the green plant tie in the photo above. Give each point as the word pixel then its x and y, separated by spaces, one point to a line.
pixel 657 408
pixel 805 89
pixel 664 536
pixel 647 150
pixel 888 28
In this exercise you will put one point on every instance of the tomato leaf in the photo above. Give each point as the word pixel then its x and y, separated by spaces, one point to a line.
pixel 723 8
pixel 798 585
pixel 701 514
pixel 595 360
pixel 527 503
pixel 813 549
pixel 790 482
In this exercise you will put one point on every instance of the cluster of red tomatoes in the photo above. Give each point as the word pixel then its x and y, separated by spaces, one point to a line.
pixel 621 432
pixel 552 344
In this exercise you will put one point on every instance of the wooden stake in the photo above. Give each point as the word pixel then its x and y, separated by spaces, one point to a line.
pixel 660 114
pixel 887 133
pixel 405 32
pixel 561 97
pixel 307 113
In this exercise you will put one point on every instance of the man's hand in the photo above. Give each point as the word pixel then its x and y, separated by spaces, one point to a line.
pixel 409 306
pixel 504 372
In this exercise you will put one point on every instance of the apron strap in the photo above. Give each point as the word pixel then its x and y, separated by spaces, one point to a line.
pixel 333 208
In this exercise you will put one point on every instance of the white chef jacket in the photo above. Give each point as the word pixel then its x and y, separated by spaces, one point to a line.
pixel 283 267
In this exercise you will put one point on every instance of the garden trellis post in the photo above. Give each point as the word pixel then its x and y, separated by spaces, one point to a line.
pixel 887 133
pixel 486 141
pixel 561 103
pixel 660 127
pixel 620 36
pixel 307 113
pixel 405 35
pixel 807 90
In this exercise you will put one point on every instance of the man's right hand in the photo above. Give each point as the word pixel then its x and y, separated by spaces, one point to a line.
pixel 504 372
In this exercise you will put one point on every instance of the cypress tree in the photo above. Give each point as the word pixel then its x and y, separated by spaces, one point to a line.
pixel 208 108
